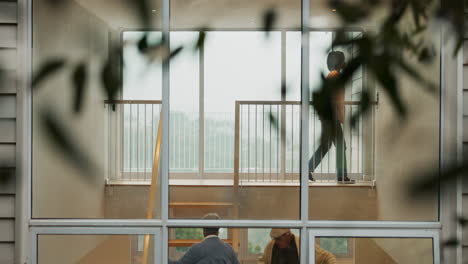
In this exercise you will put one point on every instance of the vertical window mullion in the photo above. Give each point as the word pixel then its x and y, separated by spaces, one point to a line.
pixel 165 135
pixel 304 170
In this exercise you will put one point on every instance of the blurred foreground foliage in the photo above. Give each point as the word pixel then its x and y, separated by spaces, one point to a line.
pixel 379 52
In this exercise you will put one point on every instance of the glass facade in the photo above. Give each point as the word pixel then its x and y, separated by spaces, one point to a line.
pixel 214 115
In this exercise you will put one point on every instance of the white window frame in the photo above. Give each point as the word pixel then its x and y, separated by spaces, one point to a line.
pixel 35 232
pixel 376 233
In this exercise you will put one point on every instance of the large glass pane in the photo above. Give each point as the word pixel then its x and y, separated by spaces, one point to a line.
pixel 362 250
pixel 98 162
pixel 234 135
pixel 248 245
pixel 365 171
pixel 95 249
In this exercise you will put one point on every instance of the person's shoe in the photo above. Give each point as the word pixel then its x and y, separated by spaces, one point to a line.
pixel 346 181
pixel 311 177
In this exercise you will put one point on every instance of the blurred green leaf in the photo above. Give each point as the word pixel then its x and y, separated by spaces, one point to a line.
pixel 175 52
pixel 269 19
pixel 200 44
pixel 61 139
pixel 451 242
pixel 7 175
pixel 79 84
pixel 284 90
pixel 428 181
pixel 143 9
pixel 416 75
pixel 110 80
pixel 462 220
pixel 47 69
pixel 273 120
pixel 350 12
pixel 142 44
pixel 364 107
pixel 387 79
pixel 427 55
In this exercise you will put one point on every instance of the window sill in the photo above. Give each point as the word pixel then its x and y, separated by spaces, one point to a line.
pixel 226 182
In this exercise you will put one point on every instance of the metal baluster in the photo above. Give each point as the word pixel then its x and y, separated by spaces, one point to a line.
pixel 361 170
pixel 256 165
pixel 350 143
pixel 263 142
pixel 270 142
pixel 152 134
pixel 314 126
pixel 138 143
pixel 278 135
pixel 241 156
pixel 146 153
pixel 292 142
pixel 184 142
pixel 248 142
pixel 130 144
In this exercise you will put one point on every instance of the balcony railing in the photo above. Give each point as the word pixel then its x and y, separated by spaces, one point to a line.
pixel 268 149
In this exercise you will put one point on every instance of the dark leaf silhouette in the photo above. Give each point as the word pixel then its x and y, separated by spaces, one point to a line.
pixel 429 180
pixel 79 84
pixel 451 242
pixel 387 79
pixel 175 52
pixel 273 120
pixel 462 220
pixel 143 44
pixel 6 175
pixel 365 105
pixel 349 12
pixel 269 19
pixel 3 76
pixel 47 69
pixel 200 44
pixel 61 139
pixel 284 90
pixel 143 8
pixel 110 80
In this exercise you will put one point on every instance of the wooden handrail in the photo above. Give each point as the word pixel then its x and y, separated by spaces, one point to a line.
pixel 154 181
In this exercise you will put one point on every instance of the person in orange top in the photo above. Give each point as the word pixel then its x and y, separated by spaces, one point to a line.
pixel 335 63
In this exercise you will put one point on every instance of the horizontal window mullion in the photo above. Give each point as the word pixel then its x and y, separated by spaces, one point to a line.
pixel 232 223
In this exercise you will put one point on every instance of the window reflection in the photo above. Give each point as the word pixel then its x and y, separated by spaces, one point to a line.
pixel 95 249
pixel 250 245
pixel 362 250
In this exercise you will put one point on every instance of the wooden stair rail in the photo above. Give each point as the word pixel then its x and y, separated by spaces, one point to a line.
pixel 154 181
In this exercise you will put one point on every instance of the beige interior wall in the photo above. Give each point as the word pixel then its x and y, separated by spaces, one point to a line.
pixel 366 251
pixel 60 190
pixel 407 250
pixel 60 249
pixel 408 148
pixel 326 203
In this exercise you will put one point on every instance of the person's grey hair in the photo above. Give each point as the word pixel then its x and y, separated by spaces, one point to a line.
pixel 213 216
pixel 211 230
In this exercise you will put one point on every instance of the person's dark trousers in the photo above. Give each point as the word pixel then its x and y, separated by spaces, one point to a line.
pixel 322 150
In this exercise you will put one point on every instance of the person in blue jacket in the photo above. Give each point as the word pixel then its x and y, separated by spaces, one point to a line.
pixel 211 250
